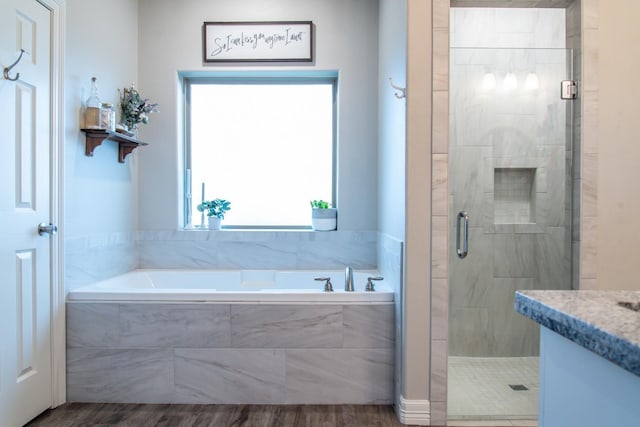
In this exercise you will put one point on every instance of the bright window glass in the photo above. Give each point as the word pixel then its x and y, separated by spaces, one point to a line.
pixel 266 147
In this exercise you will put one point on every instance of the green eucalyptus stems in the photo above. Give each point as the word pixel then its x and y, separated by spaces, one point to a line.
pixel 133 108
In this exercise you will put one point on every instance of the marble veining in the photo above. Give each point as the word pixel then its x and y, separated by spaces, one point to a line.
pixel 95 257
pixel 256 249
pixel 286 326
pixel 172 352
pixel 342 375
pixel 368 326
pixel 119 375
pixel 173 325
pixel 592 319
pixel 390 255
pixel 229 376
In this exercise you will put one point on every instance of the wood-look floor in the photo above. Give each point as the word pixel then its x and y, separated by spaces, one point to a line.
pixel 139 415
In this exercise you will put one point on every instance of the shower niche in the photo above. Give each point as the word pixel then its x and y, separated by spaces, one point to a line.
pixel 514 195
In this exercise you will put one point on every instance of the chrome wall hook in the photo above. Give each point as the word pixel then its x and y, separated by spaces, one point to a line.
pixel 402 90
pixel 8 69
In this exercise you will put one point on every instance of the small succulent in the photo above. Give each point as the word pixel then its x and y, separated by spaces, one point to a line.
pixel 215 207
pixel 320 204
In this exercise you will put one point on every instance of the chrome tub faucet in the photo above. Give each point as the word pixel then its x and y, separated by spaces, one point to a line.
pixel 348 280
pixel 328 287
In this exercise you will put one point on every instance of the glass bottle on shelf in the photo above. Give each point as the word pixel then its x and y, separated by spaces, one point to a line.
pixel 93 105
pixel 107 117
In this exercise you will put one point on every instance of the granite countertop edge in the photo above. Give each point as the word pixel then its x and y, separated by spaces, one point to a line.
pixel 616 349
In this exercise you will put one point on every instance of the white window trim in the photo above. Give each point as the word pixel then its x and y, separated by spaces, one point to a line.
pixel 253 77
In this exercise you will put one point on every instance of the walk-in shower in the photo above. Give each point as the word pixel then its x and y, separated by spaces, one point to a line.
pixel 510 157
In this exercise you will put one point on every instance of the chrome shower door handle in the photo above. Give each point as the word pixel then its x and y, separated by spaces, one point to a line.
pixel 463 218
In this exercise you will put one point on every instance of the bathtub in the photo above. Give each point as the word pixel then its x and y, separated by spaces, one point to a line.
pixel 265 286
pixel 230 337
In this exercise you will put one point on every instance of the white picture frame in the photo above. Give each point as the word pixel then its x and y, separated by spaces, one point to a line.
pixel 280 41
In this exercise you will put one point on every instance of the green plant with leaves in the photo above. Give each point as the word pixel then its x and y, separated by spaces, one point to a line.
pixel 215 207
pixel 134 108
pixel 320 204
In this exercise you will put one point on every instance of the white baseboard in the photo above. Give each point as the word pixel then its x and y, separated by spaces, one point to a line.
pixel 413 412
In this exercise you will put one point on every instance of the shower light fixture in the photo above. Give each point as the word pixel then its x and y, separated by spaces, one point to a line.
pixel 510 82
pixel 489 81
pixel 531 82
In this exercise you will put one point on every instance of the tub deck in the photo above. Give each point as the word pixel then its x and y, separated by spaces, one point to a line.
pixel 229 286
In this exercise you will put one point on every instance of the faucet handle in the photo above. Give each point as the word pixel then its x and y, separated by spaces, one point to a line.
pixel 328 287
pixel 370 287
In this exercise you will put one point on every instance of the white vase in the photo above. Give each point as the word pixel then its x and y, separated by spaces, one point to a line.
pixel 215 223
pixel 324 219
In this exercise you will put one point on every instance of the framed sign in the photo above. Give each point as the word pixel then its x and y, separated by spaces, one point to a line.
pixel 285 41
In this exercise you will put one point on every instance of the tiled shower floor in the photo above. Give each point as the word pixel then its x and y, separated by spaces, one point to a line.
pixel 479 389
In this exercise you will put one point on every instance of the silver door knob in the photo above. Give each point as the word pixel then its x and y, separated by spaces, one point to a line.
pixel 49 229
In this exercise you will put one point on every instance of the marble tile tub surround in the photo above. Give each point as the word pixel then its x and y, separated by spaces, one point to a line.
pixel 390 255
pixel 230 353
pixel 95 257
pixel 99 256
pixel 257 249
pixel 592 319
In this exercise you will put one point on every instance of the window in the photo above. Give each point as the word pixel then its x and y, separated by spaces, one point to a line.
pixel 266 145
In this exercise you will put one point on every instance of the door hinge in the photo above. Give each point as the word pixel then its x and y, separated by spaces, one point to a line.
pixel 568 89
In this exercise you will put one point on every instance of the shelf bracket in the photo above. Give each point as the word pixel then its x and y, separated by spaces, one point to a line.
pixel 126 144
pixel 124 149
pixel 93 141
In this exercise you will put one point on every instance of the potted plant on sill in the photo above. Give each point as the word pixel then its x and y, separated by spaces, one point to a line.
pixel 323 217
pixel 215 210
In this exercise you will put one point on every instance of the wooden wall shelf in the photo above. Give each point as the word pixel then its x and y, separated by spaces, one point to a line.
pixel 126 144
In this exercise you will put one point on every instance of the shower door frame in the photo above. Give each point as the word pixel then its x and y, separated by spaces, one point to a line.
pixel 507 141
pixel 511 174
pixel 583 39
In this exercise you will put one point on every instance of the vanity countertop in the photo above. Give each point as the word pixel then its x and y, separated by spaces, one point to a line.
pixel 592 319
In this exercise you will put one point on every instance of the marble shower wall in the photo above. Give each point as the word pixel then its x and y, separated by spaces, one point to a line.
pixel 511 171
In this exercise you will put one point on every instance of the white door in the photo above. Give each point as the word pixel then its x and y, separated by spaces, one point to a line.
pixel 25 256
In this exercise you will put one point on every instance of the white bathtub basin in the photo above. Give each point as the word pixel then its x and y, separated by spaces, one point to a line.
pixel 268 286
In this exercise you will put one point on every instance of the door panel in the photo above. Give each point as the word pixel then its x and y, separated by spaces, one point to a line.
pixel 510 151
pixel 25 292
pixel 25 256
pixel 25 109
pixel 510 156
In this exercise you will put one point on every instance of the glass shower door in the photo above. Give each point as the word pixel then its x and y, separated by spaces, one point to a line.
pixel 510 171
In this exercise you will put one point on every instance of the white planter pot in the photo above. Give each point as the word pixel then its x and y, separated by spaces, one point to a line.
pixel 324 219
pixel 215 223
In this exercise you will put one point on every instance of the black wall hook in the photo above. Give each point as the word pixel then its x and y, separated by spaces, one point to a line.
pixel 7 69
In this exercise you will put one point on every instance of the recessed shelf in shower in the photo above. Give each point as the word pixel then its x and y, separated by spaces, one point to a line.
pixel 514 195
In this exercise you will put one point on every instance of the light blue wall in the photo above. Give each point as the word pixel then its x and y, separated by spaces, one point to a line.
pixel 100 200
pixel 392 59
pixel 580 388
pixel 108 204
pixel 346 40
pixel 392 53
